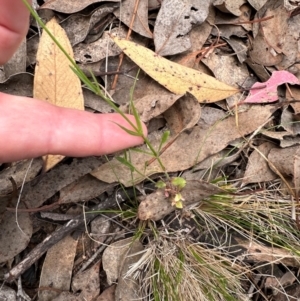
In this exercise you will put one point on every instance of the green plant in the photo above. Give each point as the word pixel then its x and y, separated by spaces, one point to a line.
pixel 183 270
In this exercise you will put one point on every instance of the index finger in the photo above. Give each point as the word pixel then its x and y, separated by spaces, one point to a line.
pixel 14 20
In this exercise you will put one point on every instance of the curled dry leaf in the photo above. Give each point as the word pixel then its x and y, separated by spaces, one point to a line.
pixel 156 205
pixel 184 114
pixel 53 76
pixel 176 78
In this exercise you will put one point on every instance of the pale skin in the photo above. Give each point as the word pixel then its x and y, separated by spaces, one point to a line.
pixel 30 128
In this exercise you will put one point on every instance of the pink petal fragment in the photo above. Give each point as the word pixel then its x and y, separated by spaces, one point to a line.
pixel 268 91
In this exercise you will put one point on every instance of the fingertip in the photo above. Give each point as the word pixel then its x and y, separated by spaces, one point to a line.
pixel 133 120
pixel 114 134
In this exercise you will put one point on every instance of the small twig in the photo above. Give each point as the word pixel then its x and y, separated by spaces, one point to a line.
pixel 251 22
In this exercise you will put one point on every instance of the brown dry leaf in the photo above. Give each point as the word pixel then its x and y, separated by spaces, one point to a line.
pixel 290 122
pixel 261 54
pixel 152 106
pixel 228 70
pixel 184 114
pixel 229 6
pixel 198 36
pixel 289 141
pixel 53 77
pixel 17 173
pixel 283 159
pixel 295 96
pixel 245 12
pixel 78 26
pixel 192 146
pixel 140 24
pixel 18 84
pixel 98 50
pixel 86 188
pixel 87 283
pixel 57 178
pixel 176 78
pixel 12 240
pixel 85 286
pixel 297 171
pixel 275 41
pixel 95 102
pixel 257 252
pixel 57 268
pixel 128 287
pixel 70 6
pixel 113 257
pixel 173 23
pixel 257 169
pixel 209 116
pixel 108 294
pixel 101 226
pixel 257 4
pixel 286 140
pixel 156 205
pixel 239 48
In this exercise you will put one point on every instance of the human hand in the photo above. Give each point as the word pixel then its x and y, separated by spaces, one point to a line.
pixel 30 128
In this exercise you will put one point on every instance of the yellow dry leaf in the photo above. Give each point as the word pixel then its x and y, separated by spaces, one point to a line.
pixel 54 80
pixel 176 78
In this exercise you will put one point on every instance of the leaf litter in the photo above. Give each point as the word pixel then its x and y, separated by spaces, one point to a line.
pixel 214 53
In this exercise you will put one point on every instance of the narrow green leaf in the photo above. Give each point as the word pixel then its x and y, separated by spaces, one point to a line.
pixel 126 163
pixel 130 132
pixel 163 139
